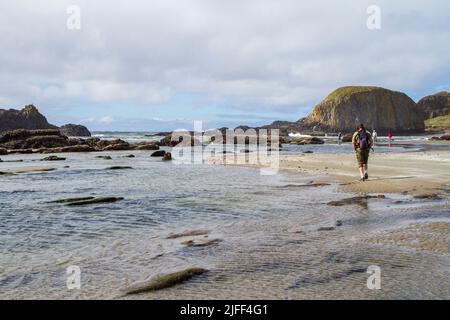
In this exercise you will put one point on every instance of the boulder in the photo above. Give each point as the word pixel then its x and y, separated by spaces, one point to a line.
pixel 74 130
pixel 308 140
pixel 378 108
pixel 28 118
pixel 117 146
pixel 435 105
pixel 159 153
pixel 146 146
pixel 3 151
pixel 167 156
pixel 347 137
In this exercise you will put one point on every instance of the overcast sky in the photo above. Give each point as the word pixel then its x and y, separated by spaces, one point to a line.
pixel 160 64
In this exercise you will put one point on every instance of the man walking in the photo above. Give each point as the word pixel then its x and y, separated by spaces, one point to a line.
pixel 362 142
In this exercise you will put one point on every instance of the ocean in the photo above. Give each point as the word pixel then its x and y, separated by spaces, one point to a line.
pixel 269 242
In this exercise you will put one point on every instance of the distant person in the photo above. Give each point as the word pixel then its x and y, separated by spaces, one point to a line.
pixel 390 136
pixel 374 136
pixel 339 138
pixel 362 142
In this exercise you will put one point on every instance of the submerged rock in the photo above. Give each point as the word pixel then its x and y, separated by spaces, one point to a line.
pixel 192 243
pixel 104 157
pixel 94 201
pixel 361 201
pixel 3 173
pixel 188 234
pixel 432 196
pixel 67 200
pixel 53 158
pixel 164 281
pixel 118 168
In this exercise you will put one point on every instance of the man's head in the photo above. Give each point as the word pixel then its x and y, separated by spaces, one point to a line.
pixel 360 128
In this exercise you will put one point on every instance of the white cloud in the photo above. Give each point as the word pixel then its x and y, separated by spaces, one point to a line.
pixel 253 54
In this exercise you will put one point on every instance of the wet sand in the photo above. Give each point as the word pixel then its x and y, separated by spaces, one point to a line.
pixel 415 173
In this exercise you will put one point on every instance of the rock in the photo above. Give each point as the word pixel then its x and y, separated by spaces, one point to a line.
pixel 164 281
pixel 326 229
pixel 445 137
pixel 361 201
pixel 167 156
pixel 170 141
pixel 3 173
pixel 435 105
pixel 308 140
pixel 68 200
pixel 432 196
pixel 130 156
pixel 77 148
pixel 104 157
pixel 23 151
pixel 94 201
pixel 159 153
pixel 3 151
pixel 146 146
pixel 117 146
pixel 28 118
pixel 30 170
pixel 74 130
pixel 53 158
pixel 192 243
pixel 118 168
pixel 378 108
pixel 188 234
pixel 347 137
pixel 308 151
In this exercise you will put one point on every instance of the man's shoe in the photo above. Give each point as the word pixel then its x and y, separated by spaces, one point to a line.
pixel 366 176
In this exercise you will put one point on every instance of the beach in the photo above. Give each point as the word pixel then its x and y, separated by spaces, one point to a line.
pixel 311 231
pixel 416 173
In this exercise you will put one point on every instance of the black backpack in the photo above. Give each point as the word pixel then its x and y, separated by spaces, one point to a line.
pixel 363 138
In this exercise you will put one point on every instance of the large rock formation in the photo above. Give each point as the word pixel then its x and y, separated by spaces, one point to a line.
pixel 378 108
pixel 52 141
pixel 28 118
pixel 435 105
pixel 74 130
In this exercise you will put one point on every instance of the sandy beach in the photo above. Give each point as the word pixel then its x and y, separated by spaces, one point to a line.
pixel 415 173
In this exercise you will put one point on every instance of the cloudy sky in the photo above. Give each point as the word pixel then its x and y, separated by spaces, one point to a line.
pixel 160 64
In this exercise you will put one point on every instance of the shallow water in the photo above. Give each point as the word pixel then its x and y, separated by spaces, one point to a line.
pixel 269 225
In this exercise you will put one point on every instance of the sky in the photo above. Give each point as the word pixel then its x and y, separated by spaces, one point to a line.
pixel 161 64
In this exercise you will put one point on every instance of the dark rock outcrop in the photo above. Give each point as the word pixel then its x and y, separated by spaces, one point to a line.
pixel 378 108
pixel 308 140
pixel 435 105
pixel 74 130
pixel 28 118
pixel 52 141
pixel 159 153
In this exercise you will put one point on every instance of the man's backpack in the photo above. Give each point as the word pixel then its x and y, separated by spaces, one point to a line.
pixel 363 139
